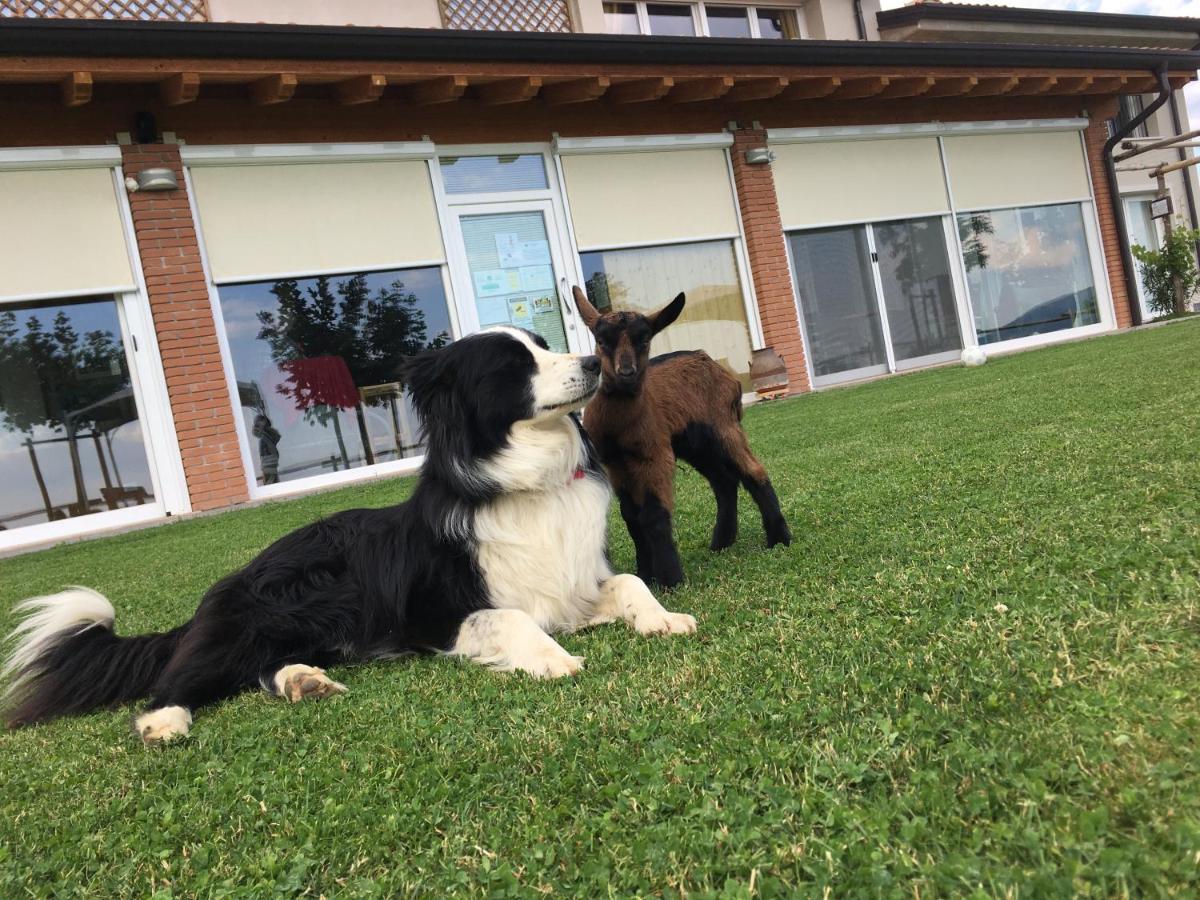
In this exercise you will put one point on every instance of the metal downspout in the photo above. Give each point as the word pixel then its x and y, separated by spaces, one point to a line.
pixel 1114 190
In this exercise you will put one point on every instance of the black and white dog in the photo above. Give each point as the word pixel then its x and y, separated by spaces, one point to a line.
pixel 502 542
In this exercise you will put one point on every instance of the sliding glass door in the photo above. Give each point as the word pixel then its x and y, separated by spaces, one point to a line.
pixel 875 298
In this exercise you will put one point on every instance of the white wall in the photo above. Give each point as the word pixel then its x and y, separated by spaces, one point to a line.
pixel 391 13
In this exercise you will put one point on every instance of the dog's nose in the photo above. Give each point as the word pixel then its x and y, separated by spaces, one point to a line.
pixel 590 364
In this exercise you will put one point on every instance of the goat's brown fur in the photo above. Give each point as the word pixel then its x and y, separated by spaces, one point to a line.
pixel 651 411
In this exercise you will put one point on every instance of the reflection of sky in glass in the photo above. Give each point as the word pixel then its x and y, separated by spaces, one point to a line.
pixel 321 439
pixel 488 174
pixel 118 440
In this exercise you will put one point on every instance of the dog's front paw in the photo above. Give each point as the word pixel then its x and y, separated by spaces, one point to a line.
pixel 162 725
pixel 556 663
pixel 297 682
pixel 663 622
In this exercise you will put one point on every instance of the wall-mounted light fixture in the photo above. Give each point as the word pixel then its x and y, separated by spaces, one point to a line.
pixel 759 156
pixel 158 179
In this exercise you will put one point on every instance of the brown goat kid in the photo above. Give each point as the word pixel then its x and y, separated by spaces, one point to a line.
pixel 648 413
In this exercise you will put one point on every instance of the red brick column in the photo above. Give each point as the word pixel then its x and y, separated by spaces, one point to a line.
pixel 768 256
pixel 1094 137
pixel 187 336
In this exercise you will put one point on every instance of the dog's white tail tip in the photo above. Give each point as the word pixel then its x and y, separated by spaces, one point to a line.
pixel 46 617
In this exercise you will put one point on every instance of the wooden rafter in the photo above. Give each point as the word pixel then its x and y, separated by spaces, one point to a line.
pixel 437 90
pixel 993 86
pixel 179 89
pixel 640 91
pixel 1073 84
pixel 756 88
pixel 363 89
pixel 76 88
pixel 579 90
pixel 952 86
pixel 700 89
pixel 1028 85
pixel 510 90
pixel 858 88
pixel 1112 84
pixel 916 86
pixel 273 89
pixel 812 88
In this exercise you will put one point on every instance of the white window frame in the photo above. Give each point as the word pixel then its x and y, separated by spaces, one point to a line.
pixel 147 378
pixel 307 153
pixel 966 316
pixel 700 15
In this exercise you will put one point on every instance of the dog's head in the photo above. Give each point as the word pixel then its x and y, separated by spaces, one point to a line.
pixel 623 340
pixel 471 394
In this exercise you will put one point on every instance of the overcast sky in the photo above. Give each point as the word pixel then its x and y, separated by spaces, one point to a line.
pixel 1137 7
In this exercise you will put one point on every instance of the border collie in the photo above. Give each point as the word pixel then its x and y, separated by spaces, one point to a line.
pixel 502 543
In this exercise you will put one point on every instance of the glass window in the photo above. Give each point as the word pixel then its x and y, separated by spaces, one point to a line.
pixel 1028 271
pixel 1142 233
pixel 837 296
pixel 490 174
pixel 71 442
pixel 674 19
pixel 728 21
pixel 316 362
pixel 621 18
pixel 918 292
pixel 1131 106
pixel 777 24
pixel 646 278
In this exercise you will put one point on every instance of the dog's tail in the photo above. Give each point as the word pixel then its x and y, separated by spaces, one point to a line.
pixel 67 660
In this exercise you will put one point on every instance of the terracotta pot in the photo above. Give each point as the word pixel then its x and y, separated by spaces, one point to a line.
pixel 768 374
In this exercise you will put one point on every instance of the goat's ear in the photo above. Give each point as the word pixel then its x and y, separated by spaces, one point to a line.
pixel 667 314
pixel 587 312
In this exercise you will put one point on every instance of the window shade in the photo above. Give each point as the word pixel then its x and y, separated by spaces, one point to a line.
pixel 649 197
pixel 989 171
pixel 306 218
pixel 827 182
pixel 62 234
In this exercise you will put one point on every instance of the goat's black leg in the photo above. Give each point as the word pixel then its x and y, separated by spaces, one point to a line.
pixel 665 568
pixel 723 479
pixel 631 513
pixel 763 494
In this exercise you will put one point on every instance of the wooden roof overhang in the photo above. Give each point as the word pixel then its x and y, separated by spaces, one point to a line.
pixel 274 64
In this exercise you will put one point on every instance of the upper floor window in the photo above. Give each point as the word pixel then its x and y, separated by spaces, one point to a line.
pixel 725 20
pixel 1131 107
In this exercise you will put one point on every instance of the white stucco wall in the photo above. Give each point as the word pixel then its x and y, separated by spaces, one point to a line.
pixel 391 13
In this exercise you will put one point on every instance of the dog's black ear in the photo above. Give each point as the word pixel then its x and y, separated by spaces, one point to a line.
pixel 668 313
pixel 537 338
pixel 427 376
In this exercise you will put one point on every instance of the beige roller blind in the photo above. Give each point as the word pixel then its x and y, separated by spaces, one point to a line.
pixel 300 218
pixel 996 170
pixel 649 197
pixel 824 182
pixel 61 233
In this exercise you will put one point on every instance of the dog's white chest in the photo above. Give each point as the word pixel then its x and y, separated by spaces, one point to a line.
pixel 543 551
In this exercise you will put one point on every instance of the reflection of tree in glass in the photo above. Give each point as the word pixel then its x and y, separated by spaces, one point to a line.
pixel 73 374
pixel 972 231
pixel 602 290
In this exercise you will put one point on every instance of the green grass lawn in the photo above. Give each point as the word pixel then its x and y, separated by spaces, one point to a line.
pixel 974 671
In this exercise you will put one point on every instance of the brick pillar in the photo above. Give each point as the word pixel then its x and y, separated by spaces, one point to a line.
pixel 768 256
pixel 187 335
pixel 1094 137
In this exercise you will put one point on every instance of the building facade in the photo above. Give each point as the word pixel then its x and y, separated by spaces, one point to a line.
pixel 221 237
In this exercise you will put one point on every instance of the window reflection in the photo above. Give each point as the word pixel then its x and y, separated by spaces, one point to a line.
pixel 70 439
pixel 1028 271
pixel 317 363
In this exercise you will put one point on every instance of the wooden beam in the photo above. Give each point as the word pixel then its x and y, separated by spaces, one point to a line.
pixel 510 90
pixel 179 89
pixel 640 91
pixel 858 88
pixel 953 86
pixel 755 88
pixel 1107 84
pixel 700 89
pixel 76 88
pixel 437 90
pixel 908 87
pixel 273 89
pixel 1073 84
pixel 994 86
pixel 363 89
pixel 1033 84
pixel 1142 84
pixel 580 90
pixel 812 88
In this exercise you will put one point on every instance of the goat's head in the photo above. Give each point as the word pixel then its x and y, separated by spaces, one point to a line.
pixel 623 341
